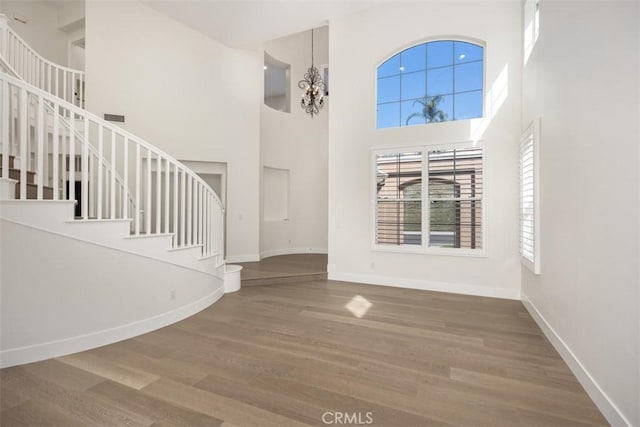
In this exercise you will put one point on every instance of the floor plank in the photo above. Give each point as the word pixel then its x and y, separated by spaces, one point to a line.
pixel 287 354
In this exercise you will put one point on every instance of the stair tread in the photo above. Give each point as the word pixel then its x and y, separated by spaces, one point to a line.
pixel 96 219
pixel 142 234
pixel 16 169
pixel 283 275
pixel 178 248
pixel 31 184
pixel 282 278
pixel 16 174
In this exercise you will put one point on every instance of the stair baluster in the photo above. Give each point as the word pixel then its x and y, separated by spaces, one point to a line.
pixel 48 133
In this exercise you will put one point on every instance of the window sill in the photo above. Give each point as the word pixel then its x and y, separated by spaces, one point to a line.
pixel 533 267
pixel 419 250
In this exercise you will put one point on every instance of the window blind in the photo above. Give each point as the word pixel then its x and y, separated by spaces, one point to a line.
pixel 455 198
pixel 399 198
pixel 448 183
pixel 528 200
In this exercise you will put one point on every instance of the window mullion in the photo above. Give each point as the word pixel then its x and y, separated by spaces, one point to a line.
pixel 425 199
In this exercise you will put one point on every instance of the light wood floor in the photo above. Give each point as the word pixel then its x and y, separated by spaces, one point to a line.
pixel 282 355
pixel 285 269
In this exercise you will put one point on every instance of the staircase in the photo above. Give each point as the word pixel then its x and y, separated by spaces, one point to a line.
pixel 32 188
pixel 68 173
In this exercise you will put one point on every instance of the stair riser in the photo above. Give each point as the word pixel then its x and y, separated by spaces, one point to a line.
pixel 11 159
pixel 32 192
pixel 15 174
pixel 287 279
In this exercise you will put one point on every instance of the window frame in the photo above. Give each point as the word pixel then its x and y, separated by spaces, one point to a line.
pixel 452 38
pixel 532 132
pixel 424 247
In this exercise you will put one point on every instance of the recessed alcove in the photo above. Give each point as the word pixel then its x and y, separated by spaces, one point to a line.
pixel 276 84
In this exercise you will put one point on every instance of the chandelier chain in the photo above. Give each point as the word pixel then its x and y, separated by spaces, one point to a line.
pixel 313 88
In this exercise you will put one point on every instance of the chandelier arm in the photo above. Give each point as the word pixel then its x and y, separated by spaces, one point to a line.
pixel 313 86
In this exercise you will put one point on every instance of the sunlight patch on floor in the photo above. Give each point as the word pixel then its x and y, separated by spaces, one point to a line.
pixel 359 306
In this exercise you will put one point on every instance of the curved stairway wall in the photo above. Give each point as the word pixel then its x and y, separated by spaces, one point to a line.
pixel 145 249
pixel 62 294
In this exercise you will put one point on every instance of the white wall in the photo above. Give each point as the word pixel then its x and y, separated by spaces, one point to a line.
pixel 71 15
pixel 357 45
pixel 41 30
pixel 76 57
pixel 583 81
pixel 298 143
pixel 60 295
pixel 71 20
pixel 185 93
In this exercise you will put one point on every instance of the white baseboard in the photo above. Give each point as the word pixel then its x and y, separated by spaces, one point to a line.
pixel 242 258
pixel 22 355
pixel 427 285
pixel 599 397
pixel 292 251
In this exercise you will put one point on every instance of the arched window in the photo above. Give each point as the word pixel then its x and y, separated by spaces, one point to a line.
pixel 437 81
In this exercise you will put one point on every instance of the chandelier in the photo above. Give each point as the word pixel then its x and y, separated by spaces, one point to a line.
pixel 313 88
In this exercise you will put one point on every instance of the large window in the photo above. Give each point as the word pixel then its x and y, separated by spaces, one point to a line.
pixel 531 26
pixel 438 191
pixel 433 82
pixel 529 199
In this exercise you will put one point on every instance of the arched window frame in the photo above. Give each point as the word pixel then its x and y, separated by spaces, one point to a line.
pixel 401 103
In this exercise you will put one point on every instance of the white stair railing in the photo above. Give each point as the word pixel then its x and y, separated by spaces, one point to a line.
pixel 94 158
pixel 168 197
pixel 64 123
pixel 63 82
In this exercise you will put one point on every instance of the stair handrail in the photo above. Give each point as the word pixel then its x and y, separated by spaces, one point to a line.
pixel 64 82
pixel 50 108
pixel 7 68
pixel 93 151
pixel 197 212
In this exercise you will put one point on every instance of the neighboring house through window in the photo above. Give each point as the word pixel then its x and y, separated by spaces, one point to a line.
pixel 435 190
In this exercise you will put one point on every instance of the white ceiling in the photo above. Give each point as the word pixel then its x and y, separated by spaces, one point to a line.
pixel 248 24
